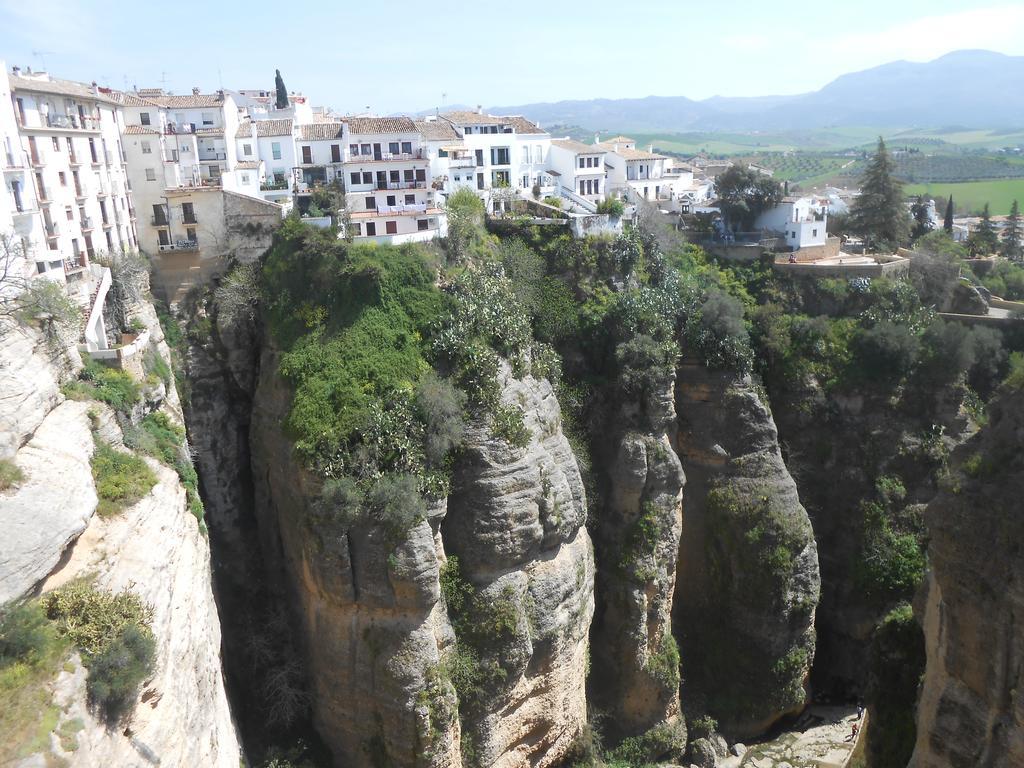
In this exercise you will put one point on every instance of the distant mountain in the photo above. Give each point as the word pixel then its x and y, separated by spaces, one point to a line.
pixel 976 89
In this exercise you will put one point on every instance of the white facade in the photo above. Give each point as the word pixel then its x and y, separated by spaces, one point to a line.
pixel 801 220
pixel 66 191
pixel 580 168
pixel 507 152
pixel 389 187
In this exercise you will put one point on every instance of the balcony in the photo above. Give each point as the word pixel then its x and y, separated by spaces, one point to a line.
pixel 74 161
pixel 80 193
pixel 36 159
pixel 87 224
pixel 180 245
pixel 384 157
pixel 158 221
pixel 189 220
pixel 273 186
pixel 212 157
pixel 172 129
pixel 106 222
pixel 24 209
pixel 52 230
pixel 461 162
pixel 400 185
pixel 75 264
pixel 66 123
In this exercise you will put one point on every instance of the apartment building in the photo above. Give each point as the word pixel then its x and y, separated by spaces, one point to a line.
pixel 580 168
pixel 270 145
pixel 389 188
pixel 66 189
pixel 321 155
pixel 509 152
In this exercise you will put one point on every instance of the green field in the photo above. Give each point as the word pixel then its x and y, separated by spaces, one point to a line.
pixel 972 195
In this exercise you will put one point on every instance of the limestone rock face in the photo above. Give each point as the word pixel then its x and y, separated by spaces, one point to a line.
pixel 31 370
pixel 638 544
pixel 971 708
pixel 373 624
pixel 748 580
pixel 53 504
pixel 516 522
pixel 156 549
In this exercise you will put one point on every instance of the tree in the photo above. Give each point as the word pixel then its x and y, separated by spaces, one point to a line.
pixel 744 193
pixel 31 301
pixel 465 223
pixel 922 221
pixel 878 213
pixel 1013 247
pixel 282 92
pixel 947 221
pixel 984 240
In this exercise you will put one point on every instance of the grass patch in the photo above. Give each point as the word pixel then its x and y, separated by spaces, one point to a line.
pixel 30 653
pixel 165 441
pixel 10 474
pixel 97 382
pixel 972 195
pixel 121 479
pixel 68 733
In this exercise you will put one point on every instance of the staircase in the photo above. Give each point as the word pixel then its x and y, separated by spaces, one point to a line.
pixel 579 202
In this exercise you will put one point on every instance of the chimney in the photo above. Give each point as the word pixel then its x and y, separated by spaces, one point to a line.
pixel 597 138
pixel 95 89
pixel 16 70
pixel 479 109
pixel 195 91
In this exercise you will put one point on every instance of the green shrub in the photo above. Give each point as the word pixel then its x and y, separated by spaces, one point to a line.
pixel 121 479
pixel 155 367
pixel 885 352
pixel 613 206
pixel 165 441
pixel 92 619
pixel 116 672
pixel 510 426
pixel 440 407
pixel 396 504
pixel 115 388
pixel 10 474
pixel 701 727
pixel 25 634
pixel 1015 378
pixel 455 589
pixel 662 742
pixel 663 666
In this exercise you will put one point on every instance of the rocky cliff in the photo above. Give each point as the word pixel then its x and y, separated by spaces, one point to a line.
pixel 155 548
pixel 971 708
pixel 382 651
pixel 748 579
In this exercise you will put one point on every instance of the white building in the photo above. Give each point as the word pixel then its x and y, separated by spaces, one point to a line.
pixel 509 152
pixel 579 169
pixel 270 144
pixel 389 190
pixel 802 221
pixel 452 163
pixel 65 184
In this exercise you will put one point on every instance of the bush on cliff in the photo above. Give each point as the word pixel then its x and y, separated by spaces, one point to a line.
pixel 122 479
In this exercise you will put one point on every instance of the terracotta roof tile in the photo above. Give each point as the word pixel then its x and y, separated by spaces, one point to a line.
pixel 140 130
pixel 578 147
pixel 437 130
pixel 279 127
pixel 58 87
pixel 362 125
pixel 321 131
pixel 518 123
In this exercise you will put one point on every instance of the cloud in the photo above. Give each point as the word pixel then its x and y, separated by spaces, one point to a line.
pixel 997 28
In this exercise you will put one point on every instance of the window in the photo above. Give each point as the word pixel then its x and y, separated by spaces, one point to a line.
pixel 538 154
pixel 526 155
pixel 190 234
pixel 144 118
pixel 63 178
pixel 307 155
pixel 410 199
pixel 480 158
pixel 582 184
pixel 581 162
pixel 357 228
pixel 367 177
pixel 247 150
pixel 207 118
pixel 147 148
pixel 501 179
pixel 526 180
pixel 40 267
pixel 793 235
pixel 408 174
pixel 150 174
pixel 364 149
pixel 597 186
pixel 371 204
pixel 354 176
pixel 165 238
pixel 422 225
pixel 421 174
pixel 391 227
pixel 814 233
pixel 335 153
pixel 394 177
pixel 56 144
pixel 499 156
pixel 391 200
pixel 479 181
pixel 393 147
pixel 353 149
pixel 275 149
pixel 407 147
pixel 188 213
pixel 371 229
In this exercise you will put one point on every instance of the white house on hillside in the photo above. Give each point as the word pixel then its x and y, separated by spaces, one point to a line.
pixel 580 168
pixel 801 220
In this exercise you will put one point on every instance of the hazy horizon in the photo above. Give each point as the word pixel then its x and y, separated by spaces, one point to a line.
pixel 405 60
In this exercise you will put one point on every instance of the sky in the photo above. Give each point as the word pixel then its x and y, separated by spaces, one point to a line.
pixel 405 56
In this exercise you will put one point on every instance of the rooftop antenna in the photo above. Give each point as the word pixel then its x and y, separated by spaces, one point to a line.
pixel 41 55
pixel 444 98
pixel 163 81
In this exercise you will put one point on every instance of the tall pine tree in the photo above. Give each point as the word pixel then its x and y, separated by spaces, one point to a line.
pixel 947 222
pixel 879 214
pixel 282 92
pixel 1013 240
pixel 983 241
pixel 922 221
